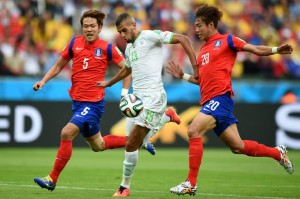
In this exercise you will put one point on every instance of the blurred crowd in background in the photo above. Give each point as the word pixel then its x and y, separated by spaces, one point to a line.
pixel 34 32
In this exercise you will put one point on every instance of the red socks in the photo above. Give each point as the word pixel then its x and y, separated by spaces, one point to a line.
pixel 65 151
pixel 195 157
pixel 113 141
pixel 63 156
pixel 253 148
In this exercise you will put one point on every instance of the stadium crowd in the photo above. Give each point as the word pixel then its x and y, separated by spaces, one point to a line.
pixel 34 32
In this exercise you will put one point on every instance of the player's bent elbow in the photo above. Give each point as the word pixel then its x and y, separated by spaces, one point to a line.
pixel 181 39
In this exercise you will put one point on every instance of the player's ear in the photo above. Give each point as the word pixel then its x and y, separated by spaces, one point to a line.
pixel 211 25
pixel 100 28
pixel 134 24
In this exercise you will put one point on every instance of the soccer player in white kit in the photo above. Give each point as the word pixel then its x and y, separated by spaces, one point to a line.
pixel 144 61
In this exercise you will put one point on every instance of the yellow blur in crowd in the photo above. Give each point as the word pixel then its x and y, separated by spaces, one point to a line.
pixel 40 29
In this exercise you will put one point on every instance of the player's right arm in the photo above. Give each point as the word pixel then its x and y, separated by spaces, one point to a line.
pixel 187 46
pixel 175 70
pixel 54 70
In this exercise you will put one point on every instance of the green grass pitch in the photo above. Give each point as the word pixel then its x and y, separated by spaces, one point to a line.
pixel 97 175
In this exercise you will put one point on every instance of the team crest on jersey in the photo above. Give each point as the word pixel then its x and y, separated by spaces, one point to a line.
pixel 98 52
pixel 218 43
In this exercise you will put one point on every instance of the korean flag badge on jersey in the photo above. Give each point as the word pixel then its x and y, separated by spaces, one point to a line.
pixel 218 43
pixel 98 52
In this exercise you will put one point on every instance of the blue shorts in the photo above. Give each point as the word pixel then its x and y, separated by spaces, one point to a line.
pixel 87 116
pixel 221 108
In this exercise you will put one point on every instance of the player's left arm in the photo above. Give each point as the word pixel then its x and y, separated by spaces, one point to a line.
pixel 187 46
pixel 126 80
pixel 118 59
pixel 175 70
pixel 124 72
pixel 266 50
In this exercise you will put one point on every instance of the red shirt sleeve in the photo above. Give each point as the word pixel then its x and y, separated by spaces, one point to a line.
pixel 65 52
pixel 238 43
pixel 117 55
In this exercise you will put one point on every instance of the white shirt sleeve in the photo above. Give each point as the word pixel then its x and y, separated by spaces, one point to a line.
pixel 164 36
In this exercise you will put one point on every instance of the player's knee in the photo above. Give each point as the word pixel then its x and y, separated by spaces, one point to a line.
pixel 193 133
pixel 236 149
pixel 96 146
pixel 66 134
pixel 130 146
pixel 95 149
pixel 102 147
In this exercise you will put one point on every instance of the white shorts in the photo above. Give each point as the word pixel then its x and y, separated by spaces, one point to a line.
pixel 155 104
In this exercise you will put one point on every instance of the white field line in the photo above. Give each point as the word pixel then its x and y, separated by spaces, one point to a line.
pixel 12 184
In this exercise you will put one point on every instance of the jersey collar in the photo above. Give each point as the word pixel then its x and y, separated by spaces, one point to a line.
pixel 214 36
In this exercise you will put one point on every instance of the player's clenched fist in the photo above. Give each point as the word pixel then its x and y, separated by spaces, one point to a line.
pixel 38 85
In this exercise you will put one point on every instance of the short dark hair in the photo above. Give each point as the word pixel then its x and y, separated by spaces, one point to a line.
pixel 121 18
pixel 97 14
pixel 209 14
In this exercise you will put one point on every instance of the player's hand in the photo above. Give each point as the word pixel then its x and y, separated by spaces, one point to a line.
pixel 174 69
pixel 102 84
pixel 38 85
pixel 285 49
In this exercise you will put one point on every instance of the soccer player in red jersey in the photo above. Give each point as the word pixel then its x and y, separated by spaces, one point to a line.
pixel 90 56
pixel 215 61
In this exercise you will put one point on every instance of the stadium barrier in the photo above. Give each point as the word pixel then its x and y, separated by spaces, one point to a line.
pixel 38 124
pixel 246 91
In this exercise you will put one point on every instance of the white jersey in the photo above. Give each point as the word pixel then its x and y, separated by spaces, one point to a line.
pixel 144 56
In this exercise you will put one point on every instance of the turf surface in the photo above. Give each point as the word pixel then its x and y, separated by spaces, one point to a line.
pixel 97 175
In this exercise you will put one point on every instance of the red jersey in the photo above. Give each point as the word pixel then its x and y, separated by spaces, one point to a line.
pixel 89 66
pixel 215 60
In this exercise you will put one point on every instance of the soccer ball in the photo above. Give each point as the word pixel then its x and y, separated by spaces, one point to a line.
pixel 131 105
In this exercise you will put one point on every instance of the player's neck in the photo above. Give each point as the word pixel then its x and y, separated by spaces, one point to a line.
pixel 137 34
pixel 212 34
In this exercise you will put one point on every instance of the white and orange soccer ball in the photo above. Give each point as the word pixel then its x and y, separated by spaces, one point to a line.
pixel 131 105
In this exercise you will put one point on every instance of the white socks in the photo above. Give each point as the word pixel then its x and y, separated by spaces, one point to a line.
pixel 164 119
pixel 129 164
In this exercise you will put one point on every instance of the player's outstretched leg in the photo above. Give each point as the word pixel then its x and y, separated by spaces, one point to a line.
pixel 45 182
pixel 121 192
pixel 171 112
pixel 184 188
pixel 149 147
pixel 285 161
